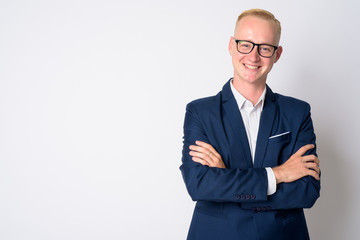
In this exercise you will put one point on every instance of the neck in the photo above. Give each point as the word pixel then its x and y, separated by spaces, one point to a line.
pixel 251 91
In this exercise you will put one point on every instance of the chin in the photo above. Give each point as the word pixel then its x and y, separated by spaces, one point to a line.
pixel 253 80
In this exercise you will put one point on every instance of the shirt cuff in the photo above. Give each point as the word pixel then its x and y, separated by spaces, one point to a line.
pixel 271 181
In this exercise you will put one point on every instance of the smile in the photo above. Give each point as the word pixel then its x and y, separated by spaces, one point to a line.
pixel 251 67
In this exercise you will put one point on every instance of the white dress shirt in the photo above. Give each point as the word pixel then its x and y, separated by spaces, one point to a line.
pixel 251 117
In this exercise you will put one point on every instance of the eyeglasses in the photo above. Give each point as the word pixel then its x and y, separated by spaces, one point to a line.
pixel 264 50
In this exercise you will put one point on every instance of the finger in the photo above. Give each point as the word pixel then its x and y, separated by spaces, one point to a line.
pixel 304 149
pixel 314 174
pixel 203 150
pixel 203 156
pixel 199 149
pixel 310 158
pixel 201 161
pixel 317 161
pixel 208 146
pixel 314 160
pixel 313 166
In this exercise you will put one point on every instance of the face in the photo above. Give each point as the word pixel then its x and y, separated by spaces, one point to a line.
pixel 252 68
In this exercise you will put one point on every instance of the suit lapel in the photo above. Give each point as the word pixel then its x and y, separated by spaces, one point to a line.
pixel 265 127
pixel 232 115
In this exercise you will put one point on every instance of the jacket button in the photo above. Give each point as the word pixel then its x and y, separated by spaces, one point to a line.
pixel 247 197
pixel 253 196
pixel 237 196
pixel 242 196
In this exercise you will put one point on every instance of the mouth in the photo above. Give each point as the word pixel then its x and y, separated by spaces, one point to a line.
pixel 251 66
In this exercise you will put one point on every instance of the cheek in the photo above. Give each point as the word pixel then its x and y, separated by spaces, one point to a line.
pixel 237 63
pixel 269 64
pixel 237 57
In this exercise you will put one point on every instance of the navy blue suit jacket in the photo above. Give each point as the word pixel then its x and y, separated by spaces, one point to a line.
pixel 232 203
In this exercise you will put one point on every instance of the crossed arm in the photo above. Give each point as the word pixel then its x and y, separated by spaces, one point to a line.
pixel 207 178
pixel 296 167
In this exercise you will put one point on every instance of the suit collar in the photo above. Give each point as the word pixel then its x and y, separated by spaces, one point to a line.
pixel 242 101
pixel 266 124
pixel 233 115
pixel 227 93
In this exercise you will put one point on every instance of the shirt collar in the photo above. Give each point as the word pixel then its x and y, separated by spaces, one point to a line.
pixel 243 103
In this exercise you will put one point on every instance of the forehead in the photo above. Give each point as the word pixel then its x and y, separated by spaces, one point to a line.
pixel 257 30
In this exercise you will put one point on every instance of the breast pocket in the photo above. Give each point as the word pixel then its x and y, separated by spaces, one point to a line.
pixel 278 149
pixel 280 138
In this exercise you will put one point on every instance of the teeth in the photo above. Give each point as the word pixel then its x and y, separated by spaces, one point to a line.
pixel 251 67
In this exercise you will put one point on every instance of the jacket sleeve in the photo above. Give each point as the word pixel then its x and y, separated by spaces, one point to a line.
pixel 217 184
pixel 302 193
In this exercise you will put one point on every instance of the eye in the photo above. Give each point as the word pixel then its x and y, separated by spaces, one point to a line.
pixel 245 45
pixel 265 49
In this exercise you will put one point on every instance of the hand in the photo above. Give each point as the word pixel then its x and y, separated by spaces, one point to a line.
pixel 298 166
pixel 205 154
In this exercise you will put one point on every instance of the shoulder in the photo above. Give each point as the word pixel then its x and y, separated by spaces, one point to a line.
pixel 291 106
pixel 205 104
pixel 288 101
pixel 212 103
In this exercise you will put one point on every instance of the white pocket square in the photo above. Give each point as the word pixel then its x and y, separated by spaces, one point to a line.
pixel 278 135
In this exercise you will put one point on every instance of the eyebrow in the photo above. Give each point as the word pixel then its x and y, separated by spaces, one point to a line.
pixel 255 42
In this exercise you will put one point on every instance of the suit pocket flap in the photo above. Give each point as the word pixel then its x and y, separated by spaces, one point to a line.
pixel 282 137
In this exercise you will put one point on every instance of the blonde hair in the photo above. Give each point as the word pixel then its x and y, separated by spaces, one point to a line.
pixel 260 13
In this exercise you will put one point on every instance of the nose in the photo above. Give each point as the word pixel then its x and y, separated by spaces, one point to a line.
pixel 254 55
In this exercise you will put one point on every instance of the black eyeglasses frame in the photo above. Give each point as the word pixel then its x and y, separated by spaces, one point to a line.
pixel 255 44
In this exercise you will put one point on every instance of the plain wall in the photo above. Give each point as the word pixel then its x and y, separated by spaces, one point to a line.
pixel 92 102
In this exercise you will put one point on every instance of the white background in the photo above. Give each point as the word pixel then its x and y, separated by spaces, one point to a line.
pixel 92 102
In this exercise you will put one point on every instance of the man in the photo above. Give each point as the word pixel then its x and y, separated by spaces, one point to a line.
pixel 249 155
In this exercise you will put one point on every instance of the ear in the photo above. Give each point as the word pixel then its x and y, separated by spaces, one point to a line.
pixel 231 44
pixel 278 53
